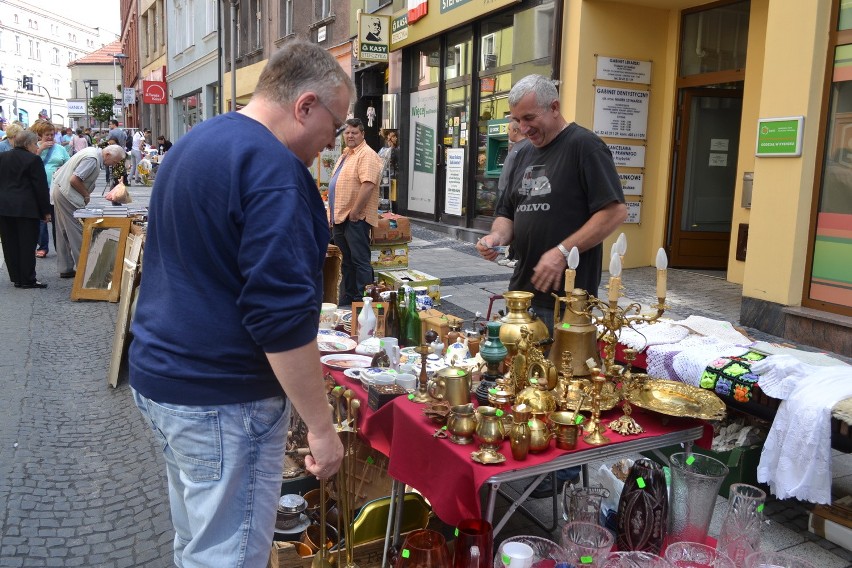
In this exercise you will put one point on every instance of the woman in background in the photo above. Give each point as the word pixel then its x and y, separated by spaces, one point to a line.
pixel 52 155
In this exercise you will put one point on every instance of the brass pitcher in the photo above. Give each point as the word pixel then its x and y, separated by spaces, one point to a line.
pixel 574 333
pixel 539 432
pixel 519 435
pixel 489 428
pixel 462 424
pixel 518 303
pixel 566 429
pixel 451 384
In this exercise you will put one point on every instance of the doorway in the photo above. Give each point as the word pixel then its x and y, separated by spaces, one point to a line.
pixel 705 177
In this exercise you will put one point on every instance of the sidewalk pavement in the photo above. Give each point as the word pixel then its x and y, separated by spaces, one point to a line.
pixel 82 481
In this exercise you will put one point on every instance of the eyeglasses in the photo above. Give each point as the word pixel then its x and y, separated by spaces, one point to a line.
pixel 338 130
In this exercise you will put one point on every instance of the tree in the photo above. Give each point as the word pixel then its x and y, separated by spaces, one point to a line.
pixel 100 107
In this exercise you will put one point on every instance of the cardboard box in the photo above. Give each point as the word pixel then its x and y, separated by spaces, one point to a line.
pixel 392 228
pixel 833 522
pixel 396 278
pixel 438 321
pixel 389 255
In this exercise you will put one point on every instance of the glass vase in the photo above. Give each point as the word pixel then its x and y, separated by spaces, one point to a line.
pixel 740 533
pixel 696 480
pixel 424 548
pixel 643 509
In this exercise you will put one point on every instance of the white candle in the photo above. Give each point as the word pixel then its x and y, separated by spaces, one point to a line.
pixel 614 277
pixel 662 274
pixel 622 244
pixel 571 272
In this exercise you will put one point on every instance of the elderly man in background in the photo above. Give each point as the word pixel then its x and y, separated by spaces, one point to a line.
pixel 353 205
pixel 72 185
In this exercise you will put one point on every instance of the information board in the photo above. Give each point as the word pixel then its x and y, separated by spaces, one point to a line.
pixel 621 113
pixel 624 70
pixel 779 137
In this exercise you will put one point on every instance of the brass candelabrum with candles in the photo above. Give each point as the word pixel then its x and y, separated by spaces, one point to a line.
pixel 611 318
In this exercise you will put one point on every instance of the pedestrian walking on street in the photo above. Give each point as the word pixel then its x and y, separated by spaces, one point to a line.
pixel 54 156
pixel 23 202
pixel 228 311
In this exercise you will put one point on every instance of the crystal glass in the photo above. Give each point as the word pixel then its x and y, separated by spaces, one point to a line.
pixel 424 549
pixel 695 555
pixel 740 533
pixel 775 560
pixel 696 480
pixel 588 544
pixel 473 533
pixel 543 549
pixel 582 503
pixel 635 559
pixel 643 510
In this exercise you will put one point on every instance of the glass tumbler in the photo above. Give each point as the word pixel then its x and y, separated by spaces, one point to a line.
pixel 635 559
pixel 582 503
pixel 775 560
pixel 740 533
pixel 424 548
pixel 587 544
pixel 696 555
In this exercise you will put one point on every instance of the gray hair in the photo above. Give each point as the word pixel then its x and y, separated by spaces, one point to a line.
pixel 24 138
pixel 299 67
pixel 115 151
pixel 544 89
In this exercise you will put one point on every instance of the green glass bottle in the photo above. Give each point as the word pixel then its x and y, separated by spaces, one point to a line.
pixel 413 323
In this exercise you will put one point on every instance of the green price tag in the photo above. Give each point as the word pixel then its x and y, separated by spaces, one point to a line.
pixel 337 389
pixel 529 423
pixel 443 427
pixel 566 326
pixel 378 306
pixel 586 560
pixel 499 413
pixel 457 532
pixel 459 373
pixel 578 419
pixel 506 559
pixel 406 553
pixel 411 397
pixel 533 381
pixel 760 508
pixel 690 460
pixel 640 482
pixel 492 391
pixel 370 459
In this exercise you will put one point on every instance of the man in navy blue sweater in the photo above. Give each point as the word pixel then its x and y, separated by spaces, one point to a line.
pixel 227 316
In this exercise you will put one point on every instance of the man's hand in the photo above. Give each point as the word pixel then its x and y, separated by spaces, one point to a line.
pixel 86 200
pixel 326 453
pixel 485 247
pixel 549 270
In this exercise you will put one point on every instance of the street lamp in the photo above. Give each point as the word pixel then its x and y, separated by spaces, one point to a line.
pixel 87 82
pixel 120 57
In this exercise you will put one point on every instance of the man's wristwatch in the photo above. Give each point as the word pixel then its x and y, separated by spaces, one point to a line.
pixel 565 252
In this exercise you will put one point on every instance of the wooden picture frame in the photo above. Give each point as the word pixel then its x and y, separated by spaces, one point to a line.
pixel 128 293
pixel 101 257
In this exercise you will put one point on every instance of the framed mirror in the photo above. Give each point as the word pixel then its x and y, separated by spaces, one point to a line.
pixel 101 256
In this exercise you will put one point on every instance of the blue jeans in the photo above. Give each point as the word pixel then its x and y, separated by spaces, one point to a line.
pixel 224 467
pixel 353 238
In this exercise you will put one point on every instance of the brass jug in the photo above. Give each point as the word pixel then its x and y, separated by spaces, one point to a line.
pixel 518 303
pixel 462 424
pixel 539 432
pixel 451 384
pixel 489 428
pixel 574 333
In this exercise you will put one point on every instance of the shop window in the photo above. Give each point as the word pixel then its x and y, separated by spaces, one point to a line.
pixel 286 23
pixel 831 270
pixel 425 64
pixel 714 40
pixel 458 55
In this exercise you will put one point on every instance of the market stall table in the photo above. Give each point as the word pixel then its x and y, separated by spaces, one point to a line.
pixel 444 473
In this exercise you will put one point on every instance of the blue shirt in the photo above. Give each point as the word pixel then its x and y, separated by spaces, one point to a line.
pixel 234 254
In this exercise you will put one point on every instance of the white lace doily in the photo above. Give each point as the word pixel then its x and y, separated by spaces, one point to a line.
pixel 722 330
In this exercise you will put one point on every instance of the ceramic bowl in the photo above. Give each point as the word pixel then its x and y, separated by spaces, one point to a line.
pixel 383 379
pixel 408 381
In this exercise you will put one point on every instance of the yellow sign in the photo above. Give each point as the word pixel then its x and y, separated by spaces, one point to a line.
pixel 373 37
pixel 436 20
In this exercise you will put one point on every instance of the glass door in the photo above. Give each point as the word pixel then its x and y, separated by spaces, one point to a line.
pixel 455 125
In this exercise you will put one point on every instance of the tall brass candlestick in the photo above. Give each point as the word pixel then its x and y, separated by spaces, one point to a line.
pixel 422 395
pixel 596 437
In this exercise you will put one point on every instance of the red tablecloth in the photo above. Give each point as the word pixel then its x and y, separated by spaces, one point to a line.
pixel 443 472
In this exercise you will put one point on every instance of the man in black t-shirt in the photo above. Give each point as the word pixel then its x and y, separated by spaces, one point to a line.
pixel 563 192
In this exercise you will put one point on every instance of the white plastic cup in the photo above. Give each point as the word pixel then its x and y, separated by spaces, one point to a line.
pixel 407 381
pixel 518 554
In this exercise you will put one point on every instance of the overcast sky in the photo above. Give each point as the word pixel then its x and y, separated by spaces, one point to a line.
pixel 95 13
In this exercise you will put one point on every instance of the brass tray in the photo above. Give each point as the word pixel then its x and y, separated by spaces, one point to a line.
pixel 678 399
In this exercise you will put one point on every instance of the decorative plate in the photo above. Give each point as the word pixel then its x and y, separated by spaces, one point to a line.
pixel 678 399
pixel 343 361
pixel 354 374
pixel 332 341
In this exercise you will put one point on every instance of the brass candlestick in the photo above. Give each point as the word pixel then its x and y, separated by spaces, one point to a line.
pixel 595 437
pixel 422 395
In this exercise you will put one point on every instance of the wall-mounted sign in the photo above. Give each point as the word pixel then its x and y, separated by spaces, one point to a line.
pixel 779 137
pixel 624 70
pixel 77 107
pixel 129 96
pixel 455 181
pixel 373 37
pixel 399 28
pixel 628 155
pixel 154 93
pixel 621 113
pixel 631 184
pixel 634 212
pixel 423 122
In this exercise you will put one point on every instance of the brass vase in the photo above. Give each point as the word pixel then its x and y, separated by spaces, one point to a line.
pixel 462 424
pixel 489 428
pixel 518 303
pixel 519 436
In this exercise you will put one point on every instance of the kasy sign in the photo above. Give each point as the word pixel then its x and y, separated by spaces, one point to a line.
pixel 154 93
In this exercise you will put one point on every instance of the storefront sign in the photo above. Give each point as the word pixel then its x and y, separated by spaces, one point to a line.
pixel 433 24
pixel 399 29
pixel 423 122
pixel 447 5
pixel 634 212
pixel 631 184
pixel 373 37
pixel 77 107
pixel 621 113
pixel 129 96
pixel 624 70
pixel 630 156
pixel 455 181
pixel 779 137
pixel 154 93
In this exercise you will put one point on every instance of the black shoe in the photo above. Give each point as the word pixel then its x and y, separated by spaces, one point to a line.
pixel 33 284
pixel 71 274
pixel 544 489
